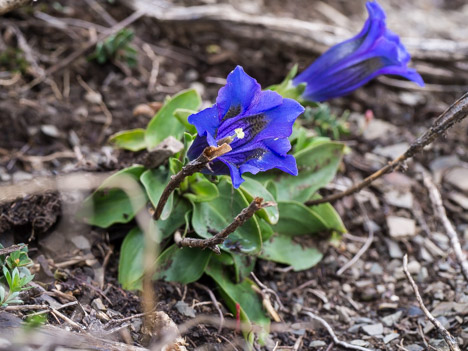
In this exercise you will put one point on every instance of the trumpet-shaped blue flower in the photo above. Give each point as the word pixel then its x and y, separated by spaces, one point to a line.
pixel 350 64
pixel 255 123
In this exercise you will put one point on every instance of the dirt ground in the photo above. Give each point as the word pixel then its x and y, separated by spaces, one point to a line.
pixel 60 126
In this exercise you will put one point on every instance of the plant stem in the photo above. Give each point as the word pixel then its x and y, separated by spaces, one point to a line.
pixel 211 243
pixel 208 155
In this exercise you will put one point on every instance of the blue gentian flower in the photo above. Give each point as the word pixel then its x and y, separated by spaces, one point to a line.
pixel 350 64
pixel 255 123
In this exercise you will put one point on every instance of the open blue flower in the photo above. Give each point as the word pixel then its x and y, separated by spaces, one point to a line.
pixel 350 64
pixel 255 123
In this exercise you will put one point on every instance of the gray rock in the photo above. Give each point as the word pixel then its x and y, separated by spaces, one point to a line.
pixel 458 177
pixel 441 164
pixel 392 151
pixel 394 249
pixel 414 347
pixel 185 309
pixel 399 199
pixel 376 269
pixel 373 329
pixel 459 199
pixel 98 305
pixel 315 344
pixel 390 337
pixel 378 129
pixel 391 319
pixel 50 130
pixel 401 227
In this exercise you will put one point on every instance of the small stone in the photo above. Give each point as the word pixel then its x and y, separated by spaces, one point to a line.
pixel 411 98
pixel 4 344
pixel 425 255
pixel 391 319
pixel 376 269
pixel 359 342
pixel 413 267
pixel 50 130
pixel 459 199
pixel 98 305
pixel 185 309
pixel 81 242
pixel 401 227
pixel 414 347
pixel 390 337
pixel 136 324
pixel 373 329
pixel 414 311
pixel 377 129
pixel 457 177
pixel 423 274
pixel 399 199
pixel 394 249
pixel 355 328
pixel 93 97
pixel 441 164
pixel 392 151
pixel 315 344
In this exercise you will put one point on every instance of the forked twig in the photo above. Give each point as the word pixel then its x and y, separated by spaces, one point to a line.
pixel 240 219
pixel 333 335
pixel 449 339
pixel 454 114
pixel 208 155
pixel 439 210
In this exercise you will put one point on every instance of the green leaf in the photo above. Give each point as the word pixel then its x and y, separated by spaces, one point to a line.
pixel 155 181
pixel 133 140
pixel 284 249
pixel 297 219
pixel 182 115
pixel 213 216
pixel 317 166
pixel 243 265
pixel 250 306
pixel 110 204
pixel 287 89
pixel 251 189
pixel 164 124
pixel 265 229
pixel 329 215
pixel 202 190
pixel 175 220
pixel 184 265
pixel 131 260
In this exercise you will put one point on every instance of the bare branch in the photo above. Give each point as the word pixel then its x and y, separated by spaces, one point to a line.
pixel 453 115
pixel 449 339
pixel 241 218
pixel 208 155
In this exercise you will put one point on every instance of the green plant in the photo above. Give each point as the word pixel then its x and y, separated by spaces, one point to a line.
pixel 116 47
pixel 325 123
pixel 203 206
pixel 15 275
pixel 13 60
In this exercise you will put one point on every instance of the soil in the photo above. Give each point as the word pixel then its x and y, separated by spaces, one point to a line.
pixel 63 117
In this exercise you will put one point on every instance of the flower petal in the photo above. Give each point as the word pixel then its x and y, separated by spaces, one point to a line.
pixel 238 93
pixel 206 121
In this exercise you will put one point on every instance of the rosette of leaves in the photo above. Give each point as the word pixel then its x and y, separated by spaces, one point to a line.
pixel 204 205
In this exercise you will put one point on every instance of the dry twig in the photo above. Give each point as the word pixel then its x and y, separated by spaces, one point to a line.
pixel 440 212
pixel 449 339
pixel 10 249
pixel 333 335
pixel 453 115
pixel 364 247
pixel 208 155
pixel 215 302
pixel 240 219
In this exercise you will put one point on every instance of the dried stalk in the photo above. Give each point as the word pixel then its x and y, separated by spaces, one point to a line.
pixel 211 243
pixel 449 339
pixel 208 155
pixel 9 5
pixel 453 115
pixel 439 209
